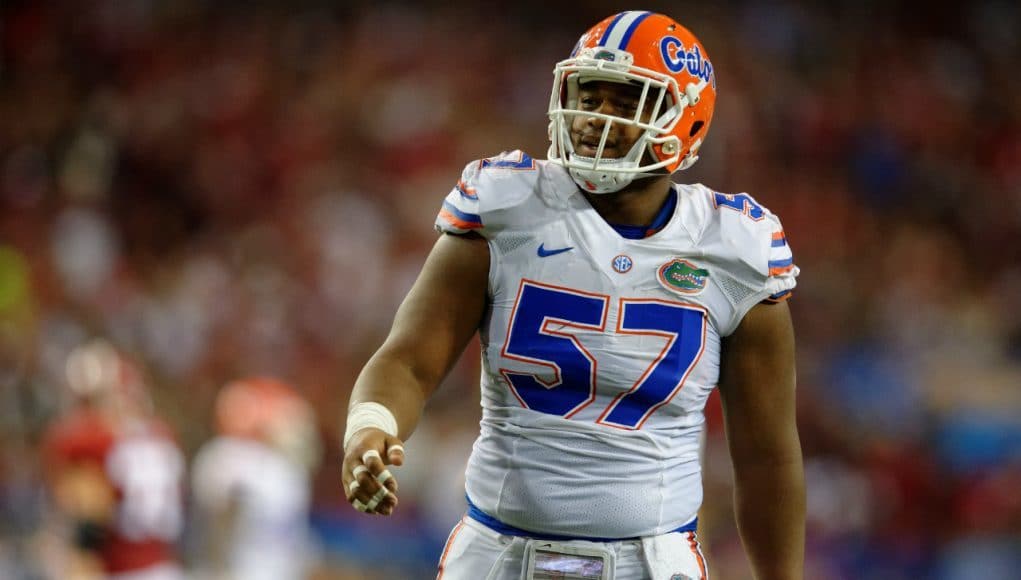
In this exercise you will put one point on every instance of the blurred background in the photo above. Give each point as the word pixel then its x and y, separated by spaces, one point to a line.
pixel 229 188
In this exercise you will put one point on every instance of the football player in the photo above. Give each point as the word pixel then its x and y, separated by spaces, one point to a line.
pixel 251 483
pixel 609 301
pixel 115 471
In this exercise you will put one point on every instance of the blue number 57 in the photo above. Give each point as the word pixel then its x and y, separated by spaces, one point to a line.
pixel 542 331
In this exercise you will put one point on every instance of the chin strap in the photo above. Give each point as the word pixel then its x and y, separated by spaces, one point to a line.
pixel 611 183
pixel 692 93
pixel 599 182
pixel 691 97
pixel 691 157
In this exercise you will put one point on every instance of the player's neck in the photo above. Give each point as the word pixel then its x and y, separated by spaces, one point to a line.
pixel 635 205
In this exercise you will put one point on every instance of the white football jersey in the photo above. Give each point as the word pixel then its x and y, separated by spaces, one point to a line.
pixel 271 537
pixel 599 352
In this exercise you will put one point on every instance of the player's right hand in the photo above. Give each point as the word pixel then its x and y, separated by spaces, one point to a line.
pixel 368 484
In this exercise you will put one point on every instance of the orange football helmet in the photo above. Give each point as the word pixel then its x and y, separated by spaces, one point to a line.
pixel 269 411
pixel 676 77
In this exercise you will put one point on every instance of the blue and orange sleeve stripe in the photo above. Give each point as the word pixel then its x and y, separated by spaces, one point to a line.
pixel 460 212
pixel 459 219
pixel 779 296
pixel 781 259
pixel 466 192
pixel 781 264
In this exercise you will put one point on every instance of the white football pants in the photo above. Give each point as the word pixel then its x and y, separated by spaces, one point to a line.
pixel 476 552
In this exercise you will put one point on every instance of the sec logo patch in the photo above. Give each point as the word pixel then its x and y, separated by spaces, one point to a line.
pixel 622 264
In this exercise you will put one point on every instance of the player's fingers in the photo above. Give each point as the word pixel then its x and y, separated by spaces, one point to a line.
pixel 387 504
pixel 367 479
pixel 361 475
pixel 384 502
pixel 358 505
pixel 373 461
pixel 355 471
pixel 376 499
pixel 394 451
pixel 356 494
pixel 367 484
pixel 387 480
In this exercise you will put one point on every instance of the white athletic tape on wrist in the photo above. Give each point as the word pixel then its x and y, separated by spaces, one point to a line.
pixel 366 415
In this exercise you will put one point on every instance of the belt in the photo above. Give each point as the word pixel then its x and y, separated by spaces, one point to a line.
pixel 496 525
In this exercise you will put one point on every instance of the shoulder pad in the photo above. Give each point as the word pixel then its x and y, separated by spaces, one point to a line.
pixel 487 188
pixel 749 241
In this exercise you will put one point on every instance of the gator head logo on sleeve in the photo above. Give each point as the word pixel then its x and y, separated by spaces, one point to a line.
pixel 683 277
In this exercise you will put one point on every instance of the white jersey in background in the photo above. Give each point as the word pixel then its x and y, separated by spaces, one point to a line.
pixel 599 352
pixel 272 495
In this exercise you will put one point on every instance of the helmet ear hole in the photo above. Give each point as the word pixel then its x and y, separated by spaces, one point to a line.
pixel 695 127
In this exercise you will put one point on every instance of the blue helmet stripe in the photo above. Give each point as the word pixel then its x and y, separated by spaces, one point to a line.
pixel 609 29
pixel 631 30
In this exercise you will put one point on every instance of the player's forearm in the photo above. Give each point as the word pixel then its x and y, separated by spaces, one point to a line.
pixel 395 384
pixel 769 498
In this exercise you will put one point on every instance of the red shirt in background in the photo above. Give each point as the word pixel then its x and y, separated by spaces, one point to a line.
pixel 143 464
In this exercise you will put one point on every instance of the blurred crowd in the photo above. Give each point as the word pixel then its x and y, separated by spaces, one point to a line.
pixel 224 189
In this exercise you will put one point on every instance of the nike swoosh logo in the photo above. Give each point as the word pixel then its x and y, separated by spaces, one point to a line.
pixel 544 253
